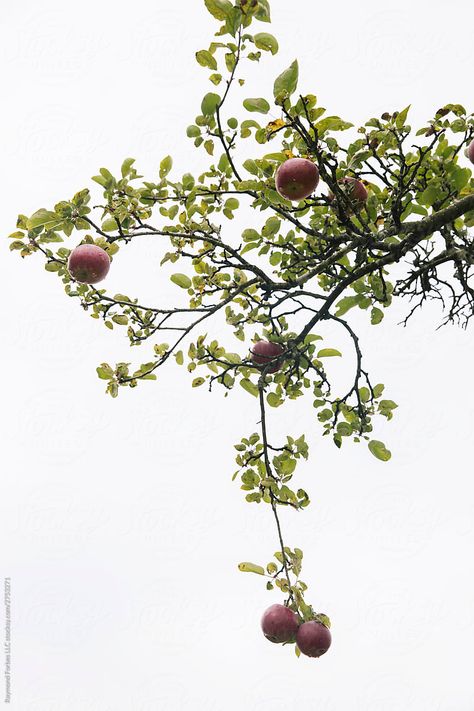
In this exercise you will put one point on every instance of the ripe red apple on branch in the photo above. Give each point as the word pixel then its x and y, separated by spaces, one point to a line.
pixel 297 178
pixel 89 264
pixel 313 639
pixel 470 151
pixel 355 191
pixel 265 352
pixel 279 624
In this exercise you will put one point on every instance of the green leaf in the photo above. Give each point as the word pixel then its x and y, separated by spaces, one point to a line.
pixel 193 131
pixel 120 319
pixel 105 372
pixel 251 568
pixel 250 235
pixel 52 266
pixel 165 166
pixel 109 225
pixel 251 166
pixel 126 166
pixel 220 9
pixel 233 21
pixel 387 405
pixel 430 195
pixel 232 204
pixel 364 394
pixel 205 59
pixel 197 382
pixel 210 103
pixel 100 180
pixel 273 400
pixel 328 353
pixel 402 117
pixel 260 106
pixel 332 123
pixel 285 85
pixel 376 316
pixel 272 226
pixel 324 619
pixel 263 11
pixel 345 304
pixel 181 280
pixel 379 450
pixel 249 386
pixel 378 390
pixel 188 181
pixel 461 177
pixel 42 217
pixel 17 245
pixel 266 41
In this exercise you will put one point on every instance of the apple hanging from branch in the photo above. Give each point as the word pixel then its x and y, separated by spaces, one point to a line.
pixel 266 353
pixel 470 151
pixel 355 191
pixel 280 624
pixel 89 264
pixel 297 178
pixel 313 638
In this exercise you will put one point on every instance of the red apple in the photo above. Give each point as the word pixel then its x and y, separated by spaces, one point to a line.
pixel 279 624
pixel 355 190
pixel 297 178
pixel 470 151
pixel 265 352
pixel 313 639
pixel 88 264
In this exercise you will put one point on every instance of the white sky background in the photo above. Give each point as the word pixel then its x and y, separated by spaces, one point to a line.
pixel 119 524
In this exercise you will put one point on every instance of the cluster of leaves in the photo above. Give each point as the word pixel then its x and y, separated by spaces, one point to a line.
pixel 317 260
pixel 268 486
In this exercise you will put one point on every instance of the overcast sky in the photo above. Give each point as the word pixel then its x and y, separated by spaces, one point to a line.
pixel 119 524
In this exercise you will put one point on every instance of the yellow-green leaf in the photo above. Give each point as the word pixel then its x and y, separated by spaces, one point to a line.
pixel 210 103
pixel 251 568
pixel 379 450
pixel 42 217
pixel 285 85
pixel 249 386
pixel 266 41
pixel 205 59
pixel 329 353
pixel 260 106
pixel 220 9
pixel 181 280
pixel 165 166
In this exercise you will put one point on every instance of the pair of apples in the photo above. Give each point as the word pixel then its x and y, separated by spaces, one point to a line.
pixel 280 624
pixel 298 178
